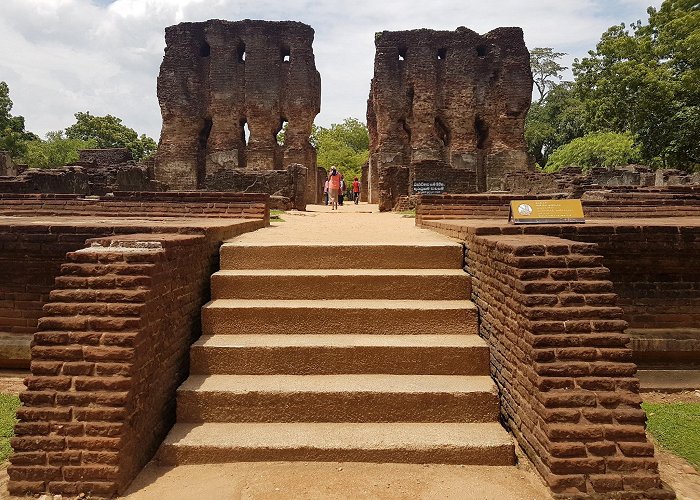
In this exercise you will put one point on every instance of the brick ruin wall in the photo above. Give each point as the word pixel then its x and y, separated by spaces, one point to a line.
pixel 575 181
pixel 97 172
pixel 112 342
pixel 448 107
pixel 219 78
pixel 565 374
pixel 41 246
pixel 677 201
pixel 7 166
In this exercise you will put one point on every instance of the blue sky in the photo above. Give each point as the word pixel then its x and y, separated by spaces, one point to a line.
pixel 64 56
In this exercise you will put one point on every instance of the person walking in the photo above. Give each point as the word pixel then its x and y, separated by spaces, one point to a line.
pixel 341 192
pixel 333 187
pixel 356 191
pixel 325 191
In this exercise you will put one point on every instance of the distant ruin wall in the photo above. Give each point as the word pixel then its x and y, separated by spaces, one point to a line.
pixel 7 166
pixel 447 106
pixel 221 79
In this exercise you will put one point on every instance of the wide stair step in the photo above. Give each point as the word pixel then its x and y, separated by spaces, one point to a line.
pixel 237 255
pixel 429 284
pixel 398 317
pixel 329 354
pixel 451 443
pixel 337 398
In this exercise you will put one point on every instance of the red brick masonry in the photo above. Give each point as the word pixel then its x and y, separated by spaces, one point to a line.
pixel 141 204
pixel 111 349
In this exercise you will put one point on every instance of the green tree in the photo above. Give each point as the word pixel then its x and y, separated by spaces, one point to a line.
pixel 55 151
pixel 545 69
pixel 109 132
pixel 554 122
pixel 13 136
pixel 597 149
pixel 645 79
pixel 345 145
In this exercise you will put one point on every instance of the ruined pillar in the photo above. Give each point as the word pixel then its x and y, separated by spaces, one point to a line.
pixel 226 89
pixel 449 107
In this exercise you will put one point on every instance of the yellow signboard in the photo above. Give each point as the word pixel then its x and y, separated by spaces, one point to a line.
pixel 546 211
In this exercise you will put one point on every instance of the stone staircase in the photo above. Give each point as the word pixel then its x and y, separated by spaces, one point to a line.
pixel 302 360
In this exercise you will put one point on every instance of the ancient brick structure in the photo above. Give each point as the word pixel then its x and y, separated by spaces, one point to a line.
pixel 448 107
pixel 221 79
pixel 7 166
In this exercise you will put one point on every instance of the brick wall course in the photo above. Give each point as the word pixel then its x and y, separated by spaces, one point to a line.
pixel 562 363
pixel 110 351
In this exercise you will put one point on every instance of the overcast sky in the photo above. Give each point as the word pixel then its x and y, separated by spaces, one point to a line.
pixel 103 56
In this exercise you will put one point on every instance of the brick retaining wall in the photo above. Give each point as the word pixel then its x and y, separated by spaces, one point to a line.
pixel 110 352
pixel 653 202
pixel 140 204
pixel 563 366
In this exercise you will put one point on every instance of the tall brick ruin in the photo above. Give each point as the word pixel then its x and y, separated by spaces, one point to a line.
pixel 221 79
pixel 447 107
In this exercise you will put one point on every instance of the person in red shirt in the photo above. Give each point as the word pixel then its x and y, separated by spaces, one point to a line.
pixel 356 191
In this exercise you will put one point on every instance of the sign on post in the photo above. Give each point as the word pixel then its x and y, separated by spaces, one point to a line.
pixel 546 211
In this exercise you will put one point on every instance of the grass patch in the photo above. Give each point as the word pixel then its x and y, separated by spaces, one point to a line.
pixel 8 408
pixel 409 214
pixel 676 426
pixel 275 215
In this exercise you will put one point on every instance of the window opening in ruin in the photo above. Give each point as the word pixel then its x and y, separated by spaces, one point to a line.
pixel 205 50
pixel 482 132
pixel 442 131
pixel 202 141
pixel 481 50
pixel 402 53
pixel 280 136
pixel 286 54
pixel 241 52
pixel 441 54
pixel 406 129
pixel 245 131
pixel 410 96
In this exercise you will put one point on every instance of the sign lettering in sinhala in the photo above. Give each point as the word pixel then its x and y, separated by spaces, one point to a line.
pixel 428 187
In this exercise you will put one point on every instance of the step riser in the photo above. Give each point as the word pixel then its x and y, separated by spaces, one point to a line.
pixel 492 455
pixel 332 257
pixel 334 360
pixel 349 287
pixel 223 321
pixel 196 406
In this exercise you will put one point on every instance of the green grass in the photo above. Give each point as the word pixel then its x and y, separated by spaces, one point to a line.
pixel 8 407
pixel 676 426
pixel 275 215
pixel 410 214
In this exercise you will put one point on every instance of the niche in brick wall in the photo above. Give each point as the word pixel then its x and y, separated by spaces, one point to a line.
pixel 202 141
pixel 240 51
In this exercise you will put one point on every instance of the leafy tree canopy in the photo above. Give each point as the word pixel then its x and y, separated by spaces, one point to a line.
pixel 55 151
pixel 109 132
pixel 546 70
pixel 13 136
pixel 597 149
pixel 345 145
pixel 645 79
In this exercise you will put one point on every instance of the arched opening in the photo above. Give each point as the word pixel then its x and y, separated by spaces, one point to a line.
pixel 245 132
pixel 285 53
pixel 202 141
pixel 204 50
pixel 441 54
pixel 442 131
pixel 481 50
pixel 402 53
pixel 281 134
pixel 482 133
pixel 240 51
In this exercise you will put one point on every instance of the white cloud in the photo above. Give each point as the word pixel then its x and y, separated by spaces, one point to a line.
pixel 64 56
